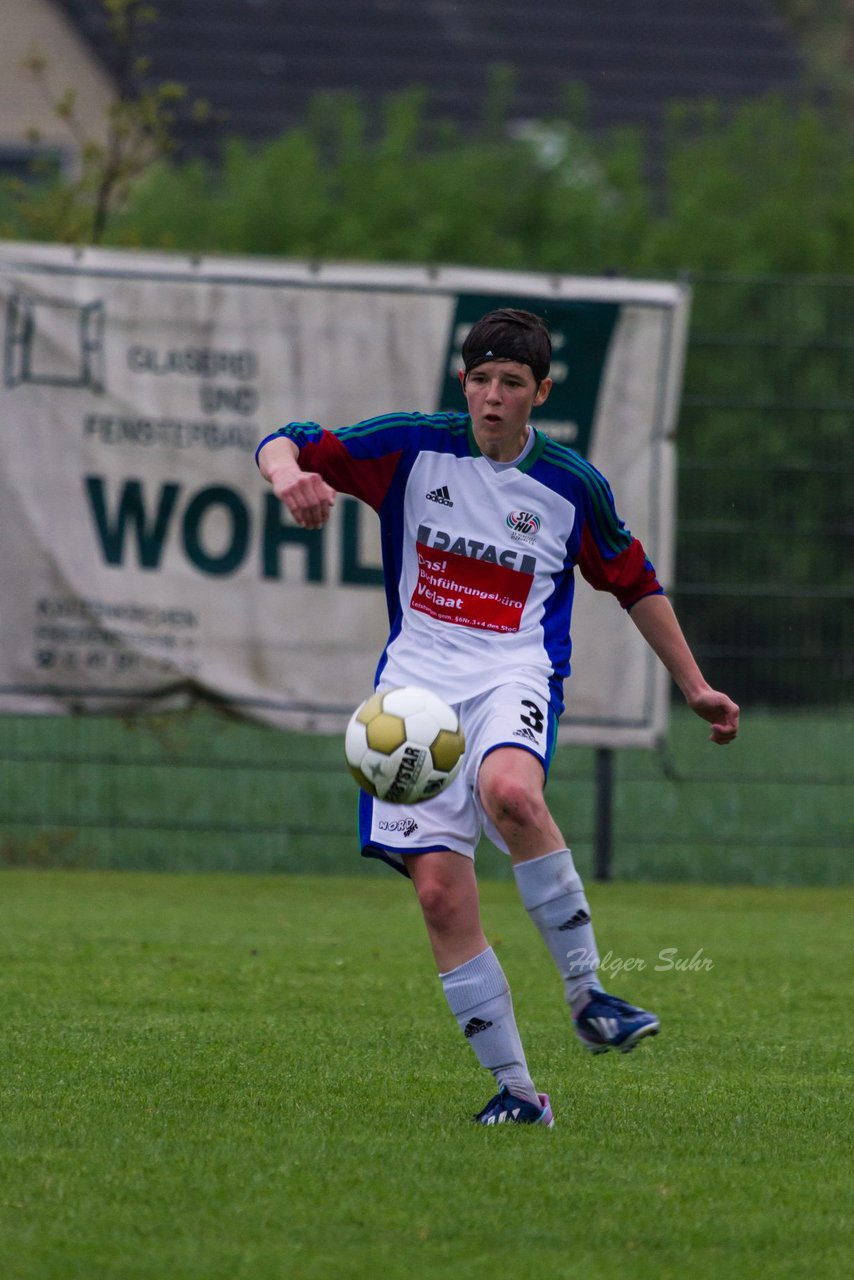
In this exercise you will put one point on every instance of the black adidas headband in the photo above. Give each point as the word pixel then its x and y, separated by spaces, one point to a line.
pixel 519 357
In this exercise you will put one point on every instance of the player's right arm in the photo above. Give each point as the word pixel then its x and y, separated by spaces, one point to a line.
pixel 361 460
pixel 306 494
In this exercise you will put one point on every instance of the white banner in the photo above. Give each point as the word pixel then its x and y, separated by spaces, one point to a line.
pixel 143 562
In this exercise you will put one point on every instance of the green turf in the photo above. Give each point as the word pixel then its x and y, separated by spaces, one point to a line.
pixel 225 1077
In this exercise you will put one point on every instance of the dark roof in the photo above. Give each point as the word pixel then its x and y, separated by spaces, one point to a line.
pixel 259 62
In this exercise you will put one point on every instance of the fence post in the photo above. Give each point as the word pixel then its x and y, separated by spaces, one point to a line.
pixel 604 806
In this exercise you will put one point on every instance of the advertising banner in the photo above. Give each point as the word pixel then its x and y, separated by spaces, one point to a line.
pixel 145 565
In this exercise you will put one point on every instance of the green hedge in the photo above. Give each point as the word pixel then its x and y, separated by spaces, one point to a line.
pixel 769 188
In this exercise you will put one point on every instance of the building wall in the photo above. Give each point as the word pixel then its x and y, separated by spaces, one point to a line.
pixel 39 24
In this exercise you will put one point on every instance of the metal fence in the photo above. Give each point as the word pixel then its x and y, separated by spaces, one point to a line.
pixel 765 572
pixel 765 588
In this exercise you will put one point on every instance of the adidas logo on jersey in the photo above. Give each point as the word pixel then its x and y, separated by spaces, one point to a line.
pixel 526 734
pixel 440 495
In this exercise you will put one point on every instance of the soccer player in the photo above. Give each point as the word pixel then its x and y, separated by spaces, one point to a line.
pixel 483 521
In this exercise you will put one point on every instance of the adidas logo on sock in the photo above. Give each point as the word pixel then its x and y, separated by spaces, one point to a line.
pixel 575 922
pixel 474 1025
pixel 441 496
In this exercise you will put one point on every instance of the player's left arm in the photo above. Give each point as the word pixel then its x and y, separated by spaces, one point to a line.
pixel 656 620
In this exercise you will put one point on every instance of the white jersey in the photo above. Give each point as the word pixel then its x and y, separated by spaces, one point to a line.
pixel 478 561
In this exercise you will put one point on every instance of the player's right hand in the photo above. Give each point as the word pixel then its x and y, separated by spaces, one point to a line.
pixel 306 495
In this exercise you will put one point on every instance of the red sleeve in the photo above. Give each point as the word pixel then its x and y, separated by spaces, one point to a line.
pixel 628 575
pixel 365 478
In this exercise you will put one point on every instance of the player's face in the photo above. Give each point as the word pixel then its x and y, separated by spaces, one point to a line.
pixel 500 396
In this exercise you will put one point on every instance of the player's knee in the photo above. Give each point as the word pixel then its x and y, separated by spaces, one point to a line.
pixel 439 904
pixel 512 801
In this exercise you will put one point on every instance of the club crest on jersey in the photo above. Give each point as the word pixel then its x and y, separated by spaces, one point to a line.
pixel 524 525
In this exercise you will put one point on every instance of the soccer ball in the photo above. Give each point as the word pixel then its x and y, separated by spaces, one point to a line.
pixel 404 745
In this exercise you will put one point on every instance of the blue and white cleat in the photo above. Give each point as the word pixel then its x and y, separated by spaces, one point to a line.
pixel 506 1108
pixel 607 1022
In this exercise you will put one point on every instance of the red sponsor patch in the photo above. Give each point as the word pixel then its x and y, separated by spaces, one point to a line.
pixel 469 592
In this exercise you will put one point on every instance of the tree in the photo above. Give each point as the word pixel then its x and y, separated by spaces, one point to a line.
pixel 138 132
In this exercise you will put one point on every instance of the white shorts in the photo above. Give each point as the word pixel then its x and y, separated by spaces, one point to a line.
pixel 510 716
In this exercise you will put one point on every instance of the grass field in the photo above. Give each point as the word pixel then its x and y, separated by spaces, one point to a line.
pixel 226 1077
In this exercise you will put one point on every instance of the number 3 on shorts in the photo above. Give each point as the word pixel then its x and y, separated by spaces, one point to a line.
pixel 534 718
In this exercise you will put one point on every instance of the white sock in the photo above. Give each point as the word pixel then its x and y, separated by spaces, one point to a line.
pixel 553 895
pixel 480 1000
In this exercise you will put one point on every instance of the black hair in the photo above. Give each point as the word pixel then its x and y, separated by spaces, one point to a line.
pixel 509 334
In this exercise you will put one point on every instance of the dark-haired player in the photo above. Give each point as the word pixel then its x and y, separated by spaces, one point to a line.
pixel 483 522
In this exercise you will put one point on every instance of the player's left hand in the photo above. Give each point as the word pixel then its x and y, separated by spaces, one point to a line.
pixel 720 712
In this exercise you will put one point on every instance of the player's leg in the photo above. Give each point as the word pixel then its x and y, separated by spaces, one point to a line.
pixel 446 887
pixel 473 980
pixel 511 783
